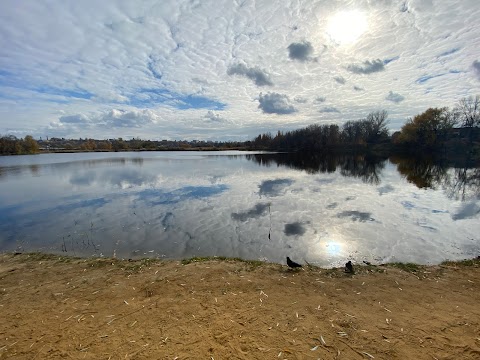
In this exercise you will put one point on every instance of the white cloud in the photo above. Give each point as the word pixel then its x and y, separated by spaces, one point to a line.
pixel 102 122
pixel 394 97
pixel 124 118
pixel 259 76
pixel 300 99
pixel 274 103
pixel 214 117
pixel 74 119
pixel 367 67
pixel 329 109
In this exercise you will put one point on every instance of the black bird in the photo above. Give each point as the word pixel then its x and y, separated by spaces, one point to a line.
pixel 292 264
pixel 349 267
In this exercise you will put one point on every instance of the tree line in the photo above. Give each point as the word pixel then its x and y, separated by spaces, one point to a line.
pixel 433 130
pixel 371 130
pixel 11 145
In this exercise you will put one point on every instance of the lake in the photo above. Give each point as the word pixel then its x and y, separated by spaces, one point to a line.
pixel 324 210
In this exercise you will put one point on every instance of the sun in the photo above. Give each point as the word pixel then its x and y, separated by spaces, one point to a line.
pixel 346 27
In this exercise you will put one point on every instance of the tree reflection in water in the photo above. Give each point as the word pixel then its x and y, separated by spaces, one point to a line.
pixel 422 172
pixel 464 185
pixel 367 168
pixel 459 178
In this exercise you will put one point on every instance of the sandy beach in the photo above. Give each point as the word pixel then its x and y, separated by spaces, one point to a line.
pixel 63 308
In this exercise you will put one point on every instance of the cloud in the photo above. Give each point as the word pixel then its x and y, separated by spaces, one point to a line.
pixel 128 118
pixel 394 97
pixel 114 118
pixel 257 211
pixel 340 79
pixel 320 99
pixel 111 96
pixel 214 117
pixel 300 99
pixel 385 189
pixel 74 119
pixel 259 76
pixel 274 103
pixel 274 187
pixel 300 51
pixel 476 68
pixel 367 67
pixel 295 228
pixel 356 215
pixel 358 88
pixel 329 109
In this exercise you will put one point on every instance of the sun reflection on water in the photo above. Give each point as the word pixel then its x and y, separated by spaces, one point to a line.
pixel 333 248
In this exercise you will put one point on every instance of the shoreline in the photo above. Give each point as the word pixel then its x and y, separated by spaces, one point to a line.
pixel 57 307
pixel 407 266
pixel 43 256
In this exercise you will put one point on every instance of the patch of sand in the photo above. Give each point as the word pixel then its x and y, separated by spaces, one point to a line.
pixel 107 309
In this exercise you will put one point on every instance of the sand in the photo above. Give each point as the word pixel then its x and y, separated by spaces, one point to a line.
pixel 55 308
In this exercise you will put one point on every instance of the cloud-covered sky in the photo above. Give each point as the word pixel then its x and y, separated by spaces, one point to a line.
pixel 221 70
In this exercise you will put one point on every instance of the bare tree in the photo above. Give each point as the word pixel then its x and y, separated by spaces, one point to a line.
pixel 376 124
pixel 468 110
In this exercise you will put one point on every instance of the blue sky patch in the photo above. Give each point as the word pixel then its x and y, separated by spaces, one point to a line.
pixel 451 51
pixel 160 197
pixel 154 72
pixel 387 61
pixel 425 78
pixel 200 102
pixel 76 94
pixel 150 97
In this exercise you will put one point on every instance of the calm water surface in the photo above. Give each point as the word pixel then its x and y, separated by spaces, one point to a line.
pixel 254 206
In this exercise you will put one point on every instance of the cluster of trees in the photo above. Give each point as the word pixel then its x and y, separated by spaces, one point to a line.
pixel 11 145
pixel 369 131
pixel 437 127
pixel 120 144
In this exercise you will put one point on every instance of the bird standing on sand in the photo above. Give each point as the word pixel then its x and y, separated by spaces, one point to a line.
pixel 349 267
pixel 292 264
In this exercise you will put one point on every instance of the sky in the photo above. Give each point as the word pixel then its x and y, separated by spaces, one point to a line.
pixel 228 70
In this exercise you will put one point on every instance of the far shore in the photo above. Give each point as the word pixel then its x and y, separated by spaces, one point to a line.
pixel 219 308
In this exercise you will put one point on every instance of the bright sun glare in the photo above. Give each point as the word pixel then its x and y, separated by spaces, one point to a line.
pixel 346 27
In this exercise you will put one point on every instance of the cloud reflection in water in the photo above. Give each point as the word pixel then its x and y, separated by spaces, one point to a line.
pixel 181 205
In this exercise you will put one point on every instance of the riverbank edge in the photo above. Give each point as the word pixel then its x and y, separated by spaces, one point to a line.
pixel 136 265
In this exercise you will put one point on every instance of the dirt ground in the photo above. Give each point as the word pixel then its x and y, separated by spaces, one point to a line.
pixel 52 307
